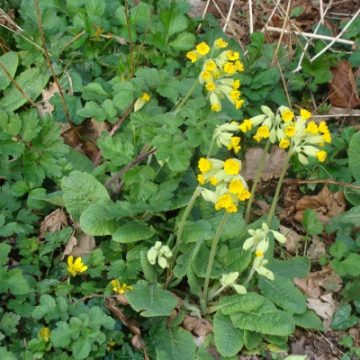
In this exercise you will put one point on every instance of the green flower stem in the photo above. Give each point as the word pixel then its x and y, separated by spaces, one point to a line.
pixel 203 296
pixel 182 224
pixel 211 147
pixel 68 281
pixel 252 272
pixel 216 293
pixel 277 192
pixel 256 180
pixel 185 99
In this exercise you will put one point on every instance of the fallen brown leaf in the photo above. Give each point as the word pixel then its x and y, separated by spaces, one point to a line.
pixel 324 307
pixel 175 313
pixel 53 222
pixel 316 249
pixel 308 287
pixel 326 205
pixel 292 239
pixel 344 92
pixel 47 94
pixel 272 166
pixel 200 327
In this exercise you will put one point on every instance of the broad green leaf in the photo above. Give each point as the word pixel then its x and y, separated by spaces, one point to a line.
pixel 338 250
pixel 343 319
pixel 151 300
pixel 148 269
pixel 267 77
pixel 276 340
pixel 193 231
pixel 311 223
pixel 14 281
pixel 272 323
pixel 32 81
pixel 298 266
pixel 135 230
pixel 184 41
pixel 350 266
pixel 73 105
pixel 79 161
pixel 283 293
pixel 92 109
pixel 232 229
pixel 353 154
pixel 308 320
pixel 4 252
pixel 62 335
pixel 252 339
pixel 237 259
pixel 245 303
pixel 8 323
pixel 10 123
pixel 95 8
pixel 173 20
pixel 201 262
pixel 81 348
pixel 353 195
pixel 80 190
pixel 6 355
pixel 10 61
pixel 228 339
pixel 98 318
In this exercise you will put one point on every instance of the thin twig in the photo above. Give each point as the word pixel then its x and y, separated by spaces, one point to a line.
pixel 114 130
pixel 251 25
pixel 72 40
pixel 271 15
pixel 332 182
pixel 131 43
pixel 283 28
pixel 229 14
pixel 48 60
pixel 130 166
pixel 18 86
pixel 321 6
pixel 203 14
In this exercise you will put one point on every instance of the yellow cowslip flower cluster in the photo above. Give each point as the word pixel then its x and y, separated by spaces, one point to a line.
pixel 216 71
pixel 284 128
pixel 230 186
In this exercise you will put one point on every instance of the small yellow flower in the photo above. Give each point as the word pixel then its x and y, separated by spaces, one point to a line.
pixel 259 253
pixel 245 126
pixel 224 201
pixel 203 48
pixel 284 144
pixel 236 186
pixel 210 65
pixel 213 181
pixel 244 195
pixel 287 115
pixel 216 75
pixel 229 68
pixel 305 114
pixel 232 167
pixel 239 104
pixel 290 131
pixel 201 179
pixel 239 66
pixel 145 97
pixel 327 137
pixel 45 333
pixel 323 127
pixel 191 55
pixel 236 84
pixel 206 75
pixel 120 289
pixel 232 55
pixel 235 94
pixel 215 107
pixel 321 155
pixel 204 165
pixel 231 209
pixel 257 138
pixel 235 140
pixel 220 43
pixel 312 128
pixel 76 267
pixel 263 132
pixel 210 86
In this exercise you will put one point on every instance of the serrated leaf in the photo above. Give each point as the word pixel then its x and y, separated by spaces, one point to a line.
pixel 135 230
pixel 151 300
pixel 73 105
pixel 14 281
pixel 173 20
pixel 6 355
pixel 228 339
pixel 245 303
pixel 4 252
pixel 237 259
pixel 267 77
pixel 10 61
pixel 283 293
pixel 8 323
pixel 311 223
pixel 183 41
pixel 298 266
pixel 81 348
pixel 92 109
pixel 80 190
pixel 98 318
pixel 62 335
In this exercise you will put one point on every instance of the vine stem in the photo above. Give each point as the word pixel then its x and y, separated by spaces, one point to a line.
pixel 185 99
pixel 278 188
pixel 203 296
pixel 256 180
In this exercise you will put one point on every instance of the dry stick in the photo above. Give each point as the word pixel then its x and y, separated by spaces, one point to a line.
pixel 283 28
pixel 251 25
pixel 321 5
pixel 203 14
pixel 128 167
pixel 18 86
pixel 72 40
pixel 131 43
pixel 114 130
pixel 228 15
pixel 332 182
pixel 48 60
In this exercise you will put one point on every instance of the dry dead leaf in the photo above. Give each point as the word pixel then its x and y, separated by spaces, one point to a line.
pixel 175 313
pixel 200 327
pixel 308 287
pixel 272 166
pixel 326 205
pixel 316 249
pixel 324 307
pixel 53 222
pixel 97 128
pixel 344 92
pixel 46 106
pixel 292 239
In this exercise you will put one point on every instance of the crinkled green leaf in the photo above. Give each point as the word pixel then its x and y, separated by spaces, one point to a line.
pixel 10 61
pixel 252 339
pixel 298 266
pixel 308 320
pixel 239 302
pixel 237 259
pixel 135 230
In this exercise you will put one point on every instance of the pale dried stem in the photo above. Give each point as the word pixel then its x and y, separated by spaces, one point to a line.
pixel 332 182
pixel 229 14
pixel 203 14
pixel 283 28
pixel 251 25
pixel 321 7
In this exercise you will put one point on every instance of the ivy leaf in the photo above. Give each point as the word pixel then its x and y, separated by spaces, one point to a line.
pixel 10 61
pixel 80 190
pixel 135 230
pixel 151 300
pixel 342 319
pixel 228 339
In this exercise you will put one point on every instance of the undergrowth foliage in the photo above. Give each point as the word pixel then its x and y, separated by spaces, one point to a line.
pixel 164 197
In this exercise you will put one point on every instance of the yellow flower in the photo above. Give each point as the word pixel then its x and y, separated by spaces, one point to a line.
pixel 235 94
pixel 259 253
pixel 210 65
pixel 76 267
pixel 145 97
pixel 236 186
pixel 287 115
pixel 327 137
pixel 312 128
pixel 204 165
pixel 323 127
pixel 210 86
pixel 201 179
pixel 239 66
pixel 305 114
pixel 321 155
pixel 239 104
pixel 257 138
pixel 191 55
pixel 235 140
pixel 231 55
pixel 263 132
pixel 120 289
pixel 232 167
pixel 203 48
pixel 216 75
pixel 245 126
pixel 284 144
pixel 290 131
pixel 229 68
pixel 220 43
pixel 215 107
pixel 244 195
pixel 206 75
pixel 224 201
pixel 236 84
pixel 213 181
pixel 45 333
pixel 231 209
